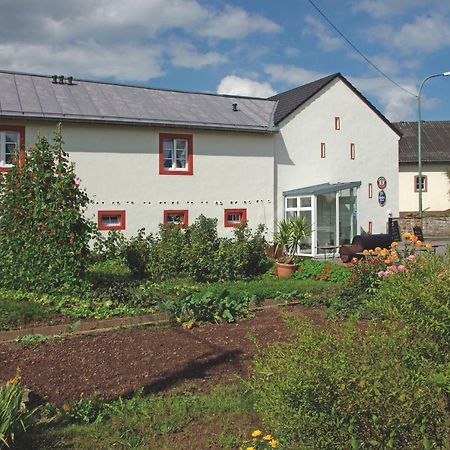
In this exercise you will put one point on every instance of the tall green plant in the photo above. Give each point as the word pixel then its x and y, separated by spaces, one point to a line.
pixel 44 236
pixel 290 233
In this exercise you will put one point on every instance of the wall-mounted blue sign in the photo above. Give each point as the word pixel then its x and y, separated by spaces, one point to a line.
pixel 382 198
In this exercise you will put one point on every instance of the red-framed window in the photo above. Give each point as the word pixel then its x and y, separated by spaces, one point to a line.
pixel 111 220
pixel 176 154
pixel 12 140
pixel 337 123
pixel 178 217
pixel 234 217
pixel 424 183
pixel 322 150
pixel 370 190
pixel 352 151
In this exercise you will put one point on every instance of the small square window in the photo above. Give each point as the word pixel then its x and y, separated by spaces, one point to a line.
pixel 234 217
pixel 352 151
pixel 337 123
pixel 175 154
pixel 111 220
pixel 179 218
pixel 322 150
pixel 424 183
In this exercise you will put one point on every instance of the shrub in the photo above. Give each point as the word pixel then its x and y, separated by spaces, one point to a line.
pixel 17 312
pixel 342 387
pixel 166 253
pixel 14 416
pixel 136 252
pixel 202 243
pixel 419 299
pixel 109 246
pixel 44 238
pixel 84 410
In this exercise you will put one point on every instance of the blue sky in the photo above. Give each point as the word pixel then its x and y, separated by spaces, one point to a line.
pixel 245 47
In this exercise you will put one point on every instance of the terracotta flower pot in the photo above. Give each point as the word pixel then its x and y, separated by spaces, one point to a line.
pixel 285 270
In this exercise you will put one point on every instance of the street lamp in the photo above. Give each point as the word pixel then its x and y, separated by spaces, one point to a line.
pixel 419 138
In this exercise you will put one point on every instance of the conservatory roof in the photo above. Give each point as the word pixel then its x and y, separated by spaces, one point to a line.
pixel 323 188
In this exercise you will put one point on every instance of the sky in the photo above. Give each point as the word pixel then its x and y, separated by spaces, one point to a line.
pixel 241 47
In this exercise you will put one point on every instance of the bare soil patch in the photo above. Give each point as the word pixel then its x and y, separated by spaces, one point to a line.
pixel 114 364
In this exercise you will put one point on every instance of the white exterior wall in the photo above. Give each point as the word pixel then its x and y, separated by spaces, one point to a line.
pixel 436 198
pixel 299 162
pixel 119 167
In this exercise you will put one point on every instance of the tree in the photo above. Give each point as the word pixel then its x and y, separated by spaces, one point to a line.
pixel 44 237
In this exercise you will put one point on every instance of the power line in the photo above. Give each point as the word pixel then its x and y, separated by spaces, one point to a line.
pixel 359 51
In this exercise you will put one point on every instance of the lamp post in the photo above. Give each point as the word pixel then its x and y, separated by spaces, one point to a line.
pixel 419 137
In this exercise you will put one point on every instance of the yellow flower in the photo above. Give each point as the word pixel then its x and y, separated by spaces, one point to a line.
pixel 250 448
pixel 366 252
pixel 256 433
pixel 267 437
pixel 394 244
pixel 406 235
pixel 384 252
pixel 274 443
pixel 418 243
pixel 377 250
pixel 428 246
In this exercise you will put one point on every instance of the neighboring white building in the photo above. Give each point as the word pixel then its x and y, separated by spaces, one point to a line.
pixel 148 156
pixel 435 149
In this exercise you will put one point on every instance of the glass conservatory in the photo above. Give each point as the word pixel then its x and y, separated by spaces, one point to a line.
pixel 330 210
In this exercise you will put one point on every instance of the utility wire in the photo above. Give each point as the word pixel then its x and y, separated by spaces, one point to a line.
pixel 359 51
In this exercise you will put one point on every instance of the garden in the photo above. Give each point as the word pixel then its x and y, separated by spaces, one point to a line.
pixel 332 357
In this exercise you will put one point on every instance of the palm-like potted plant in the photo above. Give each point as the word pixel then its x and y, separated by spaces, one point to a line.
pixel 290 233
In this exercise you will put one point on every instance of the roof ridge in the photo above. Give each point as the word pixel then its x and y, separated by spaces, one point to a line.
pixel 180 91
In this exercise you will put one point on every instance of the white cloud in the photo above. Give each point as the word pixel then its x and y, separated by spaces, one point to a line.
pixel 318 30
pixel 291 75
pixel 426 34
pixel 88 59
pixel 234 85
pixel 186 55
pixel 383 8
pixel 235 23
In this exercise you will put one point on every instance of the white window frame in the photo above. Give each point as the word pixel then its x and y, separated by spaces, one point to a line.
pixel 173 155
pixel 3 145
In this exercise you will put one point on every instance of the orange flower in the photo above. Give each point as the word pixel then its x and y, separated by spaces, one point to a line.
pixel 418 243
pixel 394 244
pixel 407 235
pixel 414 238
pixel 66 408
pixel 377 250
pixel 366 252
pixel 388 260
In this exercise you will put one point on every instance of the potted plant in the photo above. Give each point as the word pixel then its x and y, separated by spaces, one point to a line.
pixel 290 233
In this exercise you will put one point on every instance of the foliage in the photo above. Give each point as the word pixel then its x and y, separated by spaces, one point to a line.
pixel 84 410
pixel 290 234
pixel 215 305
pixel 14 415
pixel 109 246
pixel 44 238
pixel 166 253
pixel 31 340
pixel 18 312
pixel 344 387
pixel 321 270
pixel 136 252
pixel 202 244
pixel 418 299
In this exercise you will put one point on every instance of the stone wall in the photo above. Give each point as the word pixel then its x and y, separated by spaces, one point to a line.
pixel 435 226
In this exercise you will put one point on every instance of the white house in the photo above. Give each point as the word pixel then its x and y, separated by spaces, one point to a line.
pixel 148 156
pixel 435 149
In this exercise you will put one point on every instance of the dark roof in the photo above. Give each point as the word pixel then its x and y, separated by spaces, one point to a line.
pixel 290 100
pixel 435 141
pixel 36 96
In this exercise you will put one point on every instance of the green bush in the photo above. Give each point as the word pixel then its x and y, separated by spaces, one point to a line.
pixel 418 299
pixel 44 238
pixel 321 270
pixel 136 252
pixel 344 387
pixel 14 415
pixel 109 246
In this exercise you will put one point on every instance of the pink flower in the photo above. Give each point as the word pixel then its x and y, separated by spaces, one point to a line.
pixel 411 257
pixel 381 273
pixel 401 268
pixel 393 268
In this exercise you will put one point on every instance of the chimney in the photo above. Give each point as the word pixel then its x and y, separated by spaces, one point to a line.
pixel 54 79
pixel 70 80
pixel 61 79
pixel 235 108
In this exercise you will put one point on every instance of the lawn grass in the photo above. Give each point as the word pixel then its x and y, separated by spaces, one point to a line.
pixel 221 418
